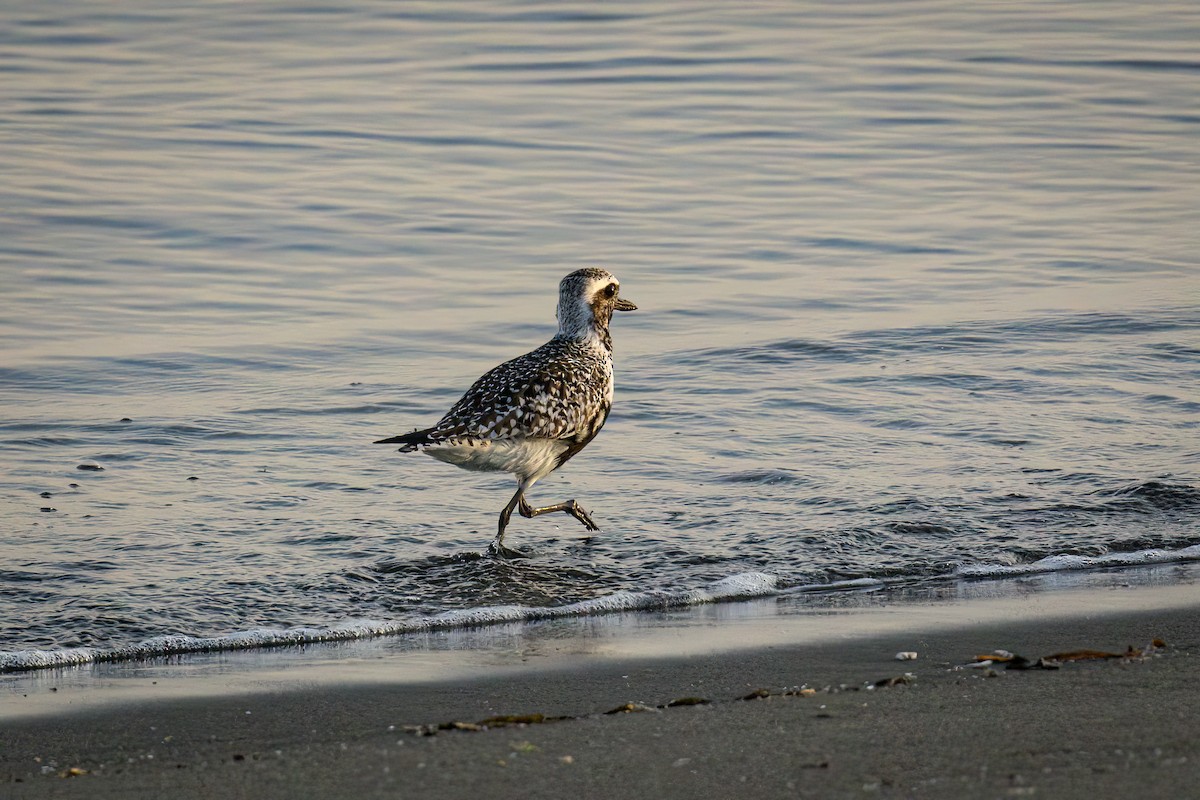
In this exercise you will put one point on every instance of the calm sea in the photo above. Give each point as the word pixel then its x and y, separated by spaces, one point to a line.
pixel 919 291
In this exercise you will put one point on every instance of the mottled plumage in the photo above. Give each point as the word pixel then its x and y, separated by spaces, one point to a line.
pixel 529 415
pixel 558 391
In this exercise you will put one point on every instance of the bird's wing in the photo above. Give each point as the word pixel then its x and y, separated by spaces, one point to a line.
pixel 548 393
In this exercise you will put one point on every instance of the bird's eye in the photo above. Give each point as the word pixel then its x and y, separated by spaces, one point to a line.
pixel 610 290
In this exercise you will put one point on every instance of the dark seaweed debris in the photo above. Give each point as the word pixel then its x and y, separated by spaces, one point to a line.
pixel 521 720
pixel 1056 660
pixel 1010 660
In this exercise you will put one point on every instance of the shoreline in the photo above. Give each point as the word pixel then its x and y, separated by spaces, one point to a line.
pixel 474 653
pixel 1092 727
pixel 1144 567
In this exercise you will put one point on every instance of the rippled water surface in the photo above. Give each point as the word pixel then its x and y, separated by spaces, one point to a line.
pixel 918 286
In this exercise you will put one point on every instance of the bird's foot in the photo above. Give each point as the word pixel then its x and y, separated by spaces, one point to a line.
pixel 497 550
pixel 567 507
pixel 577 511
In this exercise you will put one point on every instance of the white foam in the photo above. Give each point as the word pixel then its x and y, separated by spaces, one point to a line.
pixel 837 586
pixel 747 584
pixel 44 659
pixel 750 584
pixel 1064 563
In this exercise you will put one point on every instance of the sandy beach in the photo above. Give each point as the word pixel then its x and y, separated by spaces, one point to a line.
pixel 825 719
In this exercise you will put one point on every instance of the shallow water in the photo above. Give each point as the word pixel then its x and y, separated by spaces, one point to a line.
pixel 917 283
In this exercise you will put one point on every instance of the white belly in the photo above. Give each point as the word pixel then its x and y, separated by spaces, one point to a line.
pixel 528 458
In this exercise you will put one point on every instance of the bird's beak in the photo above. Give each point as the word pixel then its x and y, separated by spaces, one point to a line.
pixel 624 305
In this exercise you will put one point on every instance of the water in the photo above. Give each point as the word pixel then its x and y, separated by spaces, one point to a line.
pixel 918 288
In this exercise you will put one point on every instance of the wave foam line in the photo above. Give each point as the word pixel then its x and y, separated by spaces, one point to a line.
pixel 734 587
pixel 1065 563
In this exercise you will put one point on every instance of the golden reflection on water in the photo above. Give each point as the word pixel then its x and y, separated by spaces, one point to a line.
pixel 279 175
pixel 914 258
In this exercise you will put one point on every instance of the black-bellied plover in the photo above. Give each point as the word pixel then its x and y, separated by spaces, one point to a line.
pixel 528 416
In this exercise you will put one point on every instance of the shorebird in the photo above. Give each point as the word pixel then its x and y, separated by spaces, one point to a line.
pixel 529 415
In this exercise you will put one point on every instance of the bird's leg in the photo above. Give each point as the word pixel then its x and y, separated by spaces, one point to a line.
pixel 506 515
pixel 570 507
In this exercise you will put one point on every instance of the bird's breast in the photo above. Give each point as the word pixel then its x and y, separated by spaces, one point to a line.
pixel 528 457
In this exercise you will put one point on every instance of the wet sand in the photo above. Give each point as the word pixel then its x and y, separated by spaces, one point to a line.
pixel 1089 729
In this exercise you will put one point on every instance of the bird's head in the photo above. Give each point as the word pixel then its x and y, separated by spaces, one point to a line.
pixel 587 299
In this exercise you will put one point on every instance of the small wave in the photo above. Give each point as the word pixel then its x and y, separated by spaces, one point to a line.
pixel 987 335
pixel 765 477
pixel 963 337
pixel 1064 563
pixel 1160 495
pixel 734 587
pixel 787 351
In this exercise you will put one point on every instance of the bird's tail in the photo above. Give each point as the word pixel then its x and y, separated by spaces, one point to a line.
pixel 410 441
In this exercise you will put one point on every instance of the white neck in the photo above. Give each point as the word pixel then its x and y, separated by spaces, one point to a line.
pixel 576 320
